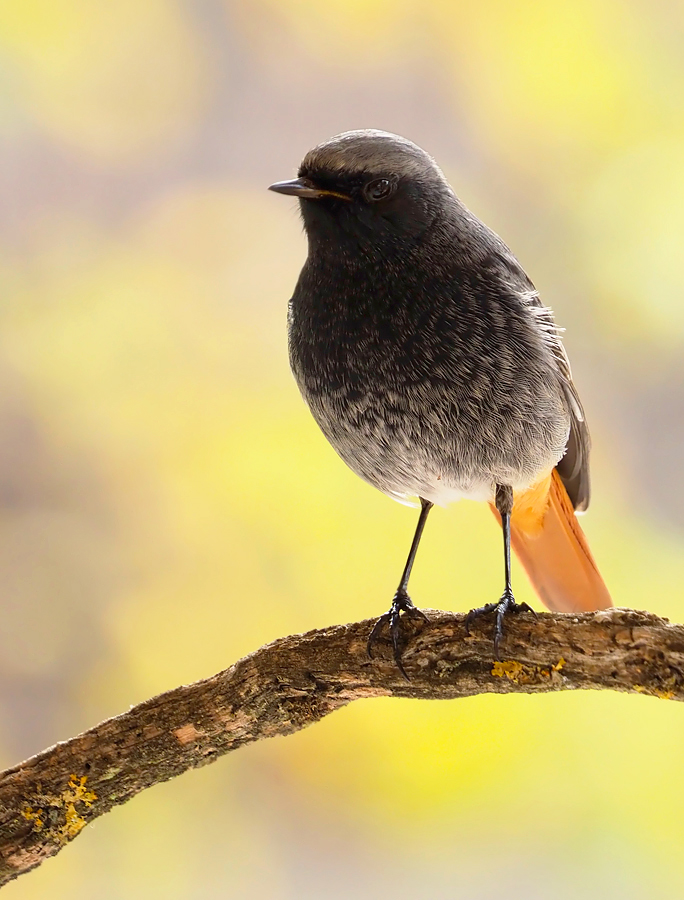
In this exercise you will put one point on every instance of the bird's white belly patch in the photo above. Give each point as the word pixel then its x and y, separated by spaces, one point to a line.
pixel 443 494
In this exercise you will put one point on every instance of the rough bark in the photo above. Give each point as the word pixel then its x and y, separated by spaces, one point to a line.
pixel 295 681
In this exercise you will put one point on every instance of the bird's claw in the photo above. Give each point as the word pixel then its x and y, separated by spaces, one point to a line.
pixel 401 603
pixel 507 604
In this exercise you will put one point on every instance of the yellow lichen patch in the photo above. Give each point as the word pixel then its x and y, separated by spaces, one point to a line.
pixel 50 805
pixel 509 669
pixel 75 793
pixel 35 816
pixel 519 673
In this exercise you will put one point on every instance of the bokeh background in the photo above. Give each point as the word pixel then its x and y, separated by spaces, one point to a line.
pixel 167 503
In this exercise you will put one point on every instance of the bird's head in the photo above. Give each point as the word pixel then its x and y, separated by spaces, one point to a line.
pixel 368 187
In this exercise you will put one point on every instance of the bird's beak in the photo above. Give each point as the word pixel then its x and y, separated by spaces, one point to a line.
pixel 305 188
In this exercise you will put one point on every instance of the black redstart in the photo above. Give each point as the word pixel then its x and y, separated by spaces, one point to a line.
pixel 432 367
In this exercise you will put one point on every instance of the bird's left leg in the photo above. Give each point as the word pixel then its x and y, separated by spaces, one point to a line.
pixel 401 602
pixel 507 603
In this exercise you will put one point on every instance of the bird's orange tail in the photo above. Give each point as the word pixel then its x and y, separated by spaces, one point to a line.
pixel 550 544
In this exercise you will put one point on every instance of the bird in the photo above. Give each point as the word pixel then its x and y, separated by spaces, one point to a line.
pixel 430 363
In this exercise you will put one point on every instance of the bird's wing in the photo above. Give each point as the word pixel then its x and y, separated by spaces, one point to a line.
pixel 574 466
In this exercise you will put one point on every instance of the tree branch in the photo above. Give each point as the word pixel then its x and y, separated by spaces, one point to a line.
pixel 295 681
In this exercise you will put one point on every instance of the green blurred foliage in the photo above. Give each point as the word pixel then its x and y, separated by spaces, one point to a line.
pixel 167 504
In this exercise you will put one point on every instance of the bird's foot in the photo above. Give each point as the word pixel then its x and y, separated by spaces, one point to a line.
pixel 507 604
pixel 401 603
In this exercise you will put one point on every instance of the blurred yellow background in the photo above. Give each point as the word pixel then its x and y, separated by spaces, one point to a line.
pixel 167 503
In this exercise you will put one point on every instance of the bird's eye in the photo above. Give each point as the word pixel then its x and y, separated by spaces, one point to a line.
pixel 378 189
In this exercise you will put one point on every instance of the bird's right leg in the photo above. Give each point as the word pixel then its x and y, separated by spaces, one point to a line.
pixel 401 602
pixel 507 603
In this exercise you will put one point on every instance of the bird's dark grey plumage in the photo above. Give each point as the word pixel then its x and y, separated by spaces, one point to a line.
pixel 418 341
